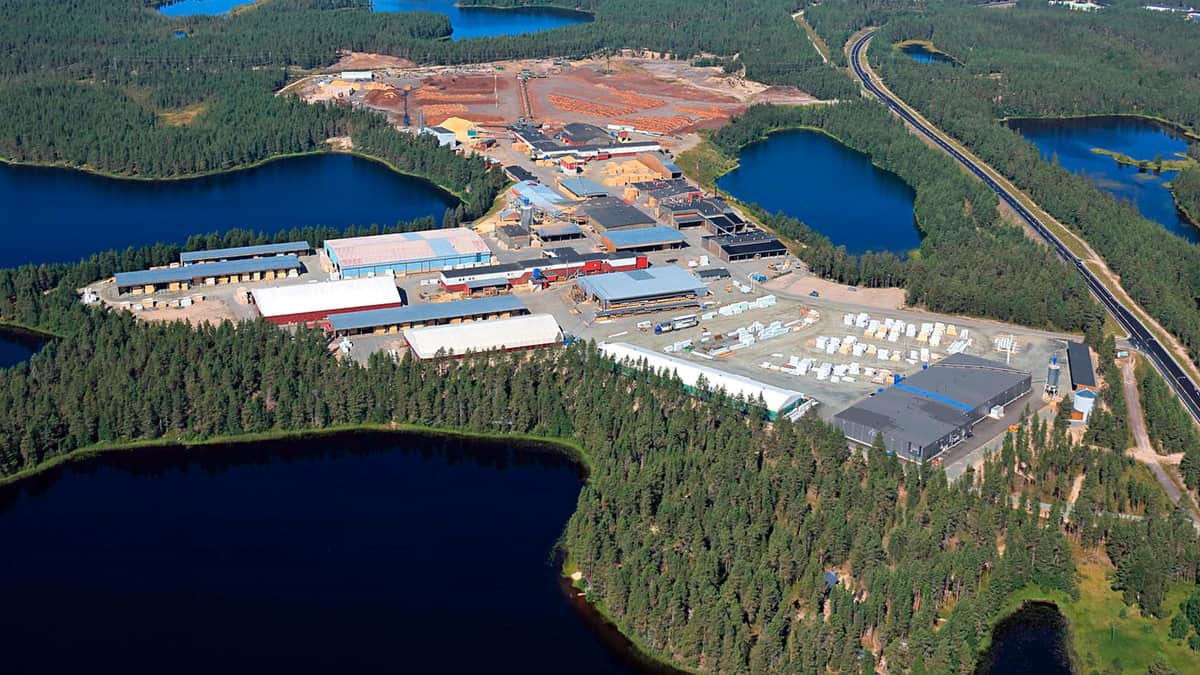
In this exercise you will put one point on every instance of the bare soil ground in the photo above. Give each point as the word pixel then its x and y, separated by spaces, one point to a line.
pixel 212 310
pixel 882 298
pixel 369 61
pixel 663 96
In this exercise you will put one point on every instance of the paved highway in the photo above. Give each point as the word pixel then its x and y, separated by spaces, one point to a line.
pixel 1140 337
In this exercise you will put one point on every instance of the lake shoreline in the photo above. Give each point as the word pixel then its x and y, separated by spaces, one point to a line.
pixel 231 170
pixel 568 449
pixel 1162 122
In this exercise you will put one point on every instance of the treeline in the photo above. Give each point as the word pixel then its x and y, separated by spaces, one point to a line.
pixel 707 534
pixel 970 261
pixel 1186 188
pixel 1169 425
pixel 1037 60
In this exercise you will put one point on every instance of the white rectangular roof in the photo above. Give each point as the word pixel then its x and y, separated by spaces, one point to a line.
pixel 776 398
pixel 326 296
pixel 381 249
pixel 534 330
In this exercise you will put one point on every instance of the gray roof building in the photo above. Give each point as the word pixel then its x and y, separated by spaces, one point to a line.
pixel 641 287
pixel 202 272
pixel 1079 361
pixel 433 313
pixel 610 213
pixel 242 252
pixel 935 409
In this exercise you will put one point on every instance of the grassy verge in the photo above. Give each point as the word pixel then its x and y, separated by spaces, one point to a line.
pixel 1103 630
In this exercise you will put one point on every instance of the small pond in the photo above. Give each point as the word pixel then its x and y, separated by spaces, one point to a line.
pixel 1070 142
pixel 831 188
pixel 1030 641
pixel 16 346
pixel 923 54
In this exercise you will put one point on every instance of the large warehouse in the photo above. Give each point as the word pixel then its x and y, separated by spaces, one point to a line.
pixel 654 238
pixel 245 252
pixel 776 400
pixel 302 303
pixel 932 411
pixel 609 213
pixel 746 246
pixel 435 313
pixel 406 252
pixel 642 290
pixel 520 332
pixel 207 274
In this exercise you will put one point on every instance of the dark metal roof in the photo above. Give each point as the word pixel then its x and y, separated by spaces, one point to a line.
pixel 713 273
pixel 520 174
pixel 644 236
pixel 1079 361
pixel 559 230
pixel 437 311
pixel 612 213
pixel 585 133
pixel 756 243
pixel 935 401
pixel 206 270
pixel 244 252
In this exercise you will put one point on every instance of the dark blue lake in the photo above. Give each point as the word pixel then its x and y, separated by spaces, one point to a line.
pixel 467 22
pixel 473 22
pixel 206 7
pixel 351 554
pixel 831 188
pixel 71 214
pixel 16 347
pixel 1030 641
pixel 1072 140
pixel 923 54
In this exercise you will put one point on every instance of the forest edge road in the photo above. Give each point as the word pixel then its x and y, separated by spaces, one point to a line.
pixel 1140 336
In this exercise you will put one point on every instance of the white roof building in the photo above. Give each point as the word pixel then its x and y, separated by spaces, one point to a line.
pixel 521 332
pixel 357 75
pixel 314 301
pixel 777 399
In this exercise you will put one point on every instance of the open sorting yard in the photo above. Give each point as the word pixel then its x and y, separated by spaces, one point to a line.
pixel 666 97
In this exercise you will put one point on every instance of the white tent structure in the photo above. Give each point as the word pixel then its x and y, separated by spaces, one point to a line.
pixel 779 401
pixel 520 332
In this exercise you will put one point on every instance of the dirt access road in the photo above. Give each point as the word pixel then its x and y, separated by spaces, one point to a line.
pixel 1143 450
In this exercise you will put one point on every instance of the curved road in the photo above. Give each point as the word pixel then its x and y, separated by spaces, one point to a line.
pixel 1140 337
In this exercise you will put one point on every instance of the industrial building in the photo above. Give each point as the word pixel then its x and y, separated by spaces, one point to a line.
pixel 542 146
pixel 305 303
pixel 540 197
pixel 745 246
pixel 713 274
pixel 776 400
pixel 660 165
pixel 183 277
pixel 513 236
pixel 1082 405
pixel 406 252
pixel 558 265
pixel 581 188
pixel 924 415
pixel 656 191
pixel 516 333
pixel 1079 362
pixel 244 252
pixel 555 232
pixel 414 316
pixel 652 289
pixel 655 238
pixel 609 213
pixel 445 137
pixel 520 174
pixel 691 210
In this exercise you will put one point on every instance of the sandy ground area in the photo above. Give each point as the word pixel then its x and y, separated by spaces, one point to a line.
pixel 369 61
pixel 212 310
pixel 663 96
pixel 881 298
